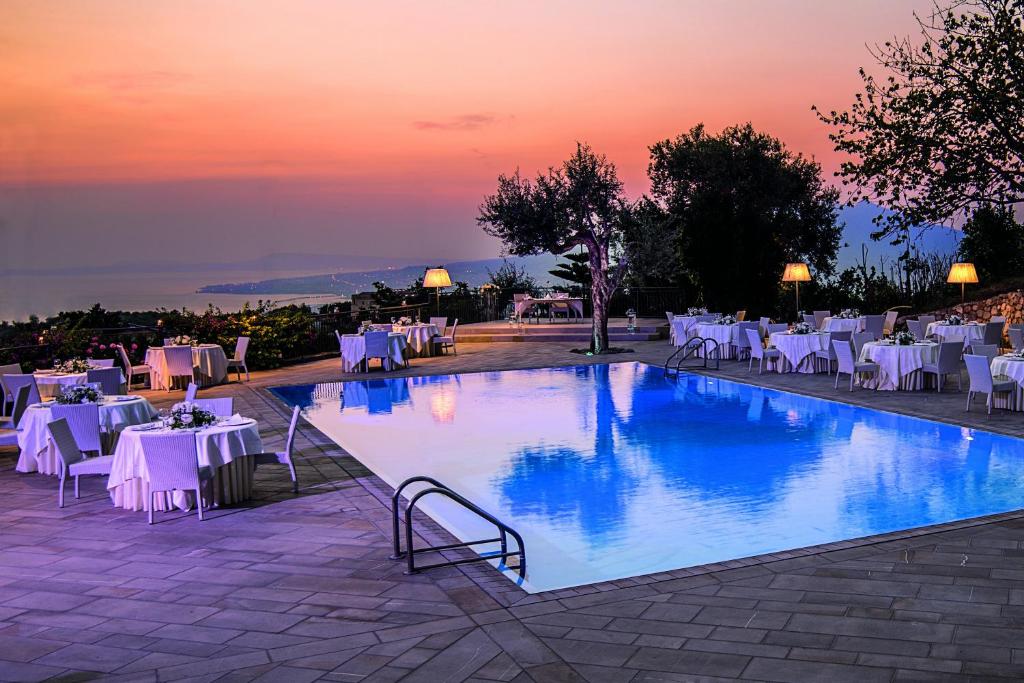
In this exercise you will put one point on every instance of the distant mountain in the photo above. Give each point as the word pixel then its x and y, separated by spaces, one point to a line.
pixel 858 231
pixel 475 273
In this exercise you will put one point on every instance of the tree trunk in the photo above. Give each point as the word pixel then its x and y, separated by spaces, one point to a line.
pixel 600 293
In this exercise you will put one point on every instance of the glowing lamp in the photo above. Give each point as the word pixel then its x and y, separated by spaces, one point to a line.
pixel 796 273
pixel 962 274
pixel 437 278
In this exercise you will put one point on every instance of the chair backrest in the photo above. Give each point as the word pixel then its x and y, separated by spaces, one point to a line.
pixel 241 346
pixel 338 335
pixel 762 326
pixel 376 344
pixel 777 327
pixel 753 342
pixel 289 442
pixel 191 391
pixel 741 315
pixel 442 322
pixel 809 319
pixel 64 440
pixel 382 327
pixel 13 382
pixel 172 461
pixel 109 380
pixel 668 314
pixel 1016 336
pixel 890 322
pixel 102 362
pixel 12 369
pixel 179 360
pixel 20 404
pixel 949 356
pixel 980 372
pixel 993 333
pixel 168 341
pixel 925 320
pixel 455 326
pixel 819 318
pixel 990 351
pixel 221 407
pixel 844 354
pixel 916 328
pixel 998 319
pixel 874 325
pixel 742 341
pixel 859 340
pixel 125 360
pixel 84 421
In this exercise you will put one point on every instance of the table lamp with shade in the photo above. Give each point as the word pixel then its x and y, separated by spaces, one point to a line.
pixel 437 278
pixel 962 274
pixel 797 273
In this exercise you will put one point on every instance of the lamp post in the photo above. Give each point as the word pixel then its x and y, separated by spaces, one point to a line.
pixel 437 278
pixel 796 273
pixel 962 274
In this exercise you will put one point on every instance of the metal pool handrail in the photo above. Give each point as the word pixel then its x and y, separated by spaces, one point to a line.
pixel 438 488
pixel 690 348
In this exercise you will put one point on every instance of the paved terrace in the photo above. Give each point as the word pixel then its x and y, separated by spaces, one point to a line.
pixel 299 588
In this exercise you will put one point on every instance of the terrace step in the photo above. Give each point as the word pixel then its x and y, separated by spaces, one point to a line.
pixel 481 337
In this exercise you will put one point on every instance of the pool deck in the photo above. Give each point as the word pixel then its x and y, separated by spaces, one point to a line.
pixel 299 588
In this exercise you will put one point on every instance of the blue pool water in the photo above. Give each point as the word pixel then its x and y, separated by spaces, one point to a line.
pixel 611 471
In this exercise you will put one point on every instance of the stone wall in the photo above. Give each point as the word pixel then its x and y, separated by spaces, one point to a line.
pixel 1009 304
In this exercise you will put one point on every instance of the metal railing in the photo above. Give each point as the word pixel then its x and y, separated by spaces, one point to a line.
pixel 690 348
pixel 437 488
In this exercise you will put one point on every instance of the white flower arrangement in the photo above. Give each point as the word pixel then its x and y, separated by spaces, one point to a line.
pixel 79 393
pixel 848 314
pixel 803 328
pixel 185 340
pixel 73 366
pixel 1017 354
pixel 726 320
pixel 404 321
pixel 954 319
pixel 696 310
pixel 904 338
pixel 188 415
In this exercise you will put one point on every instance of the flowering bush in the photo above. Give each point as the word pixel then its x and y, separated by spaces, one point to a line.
pixel 79 393
pixel 188 415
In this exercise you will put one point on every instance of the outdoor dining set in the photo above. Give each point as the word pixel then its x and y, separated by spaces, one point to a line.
pixel 393 344
pixel 929 353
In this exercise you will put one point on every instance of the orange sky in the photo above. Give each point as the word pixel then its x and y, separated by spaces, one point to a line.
pixel 336 115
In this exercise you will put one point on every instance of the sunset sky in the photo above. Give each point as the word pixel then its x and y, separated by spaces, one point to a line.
pixel 149 129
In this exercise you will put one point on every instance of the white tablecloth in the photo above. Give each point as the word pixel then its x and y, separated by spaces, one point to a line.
pixel 1012 367
pixel 417 338
pixel 726 335
pixel 353 350
pixel 900 365
pixel 831 324
pixel 575 306
pixel 38 453
pixel 221 447
pixel 209 360
pixel 798 350
pixel 951 333
pixel 682 329
pixel 51 385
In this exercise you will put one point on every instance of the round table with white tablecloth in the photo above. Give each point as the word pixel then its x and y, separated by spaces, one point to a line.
pixel 209 361
pixel 353 350
pixel 836 324
pixel 900 366
pixel 951 333
pixel 1012 367
pixel 38 453
pixel 418 337
pixel 51 383
pixel 221 447
pixel 727 337
pixel 798 350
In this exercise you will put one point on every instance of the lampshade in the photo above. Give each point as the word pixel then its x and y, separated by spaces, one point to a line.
pixel 962 273
pixel 436 277
pixel 796 272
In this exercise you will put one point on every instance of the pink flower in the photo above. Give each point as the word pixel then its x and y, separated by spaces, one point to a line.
pixel 103 347
pixel 88 351
pixel 135 347
pixel 95 339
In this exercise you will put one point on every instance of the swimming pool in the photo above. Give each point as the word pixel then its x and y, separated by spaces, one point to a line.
pixel 611 471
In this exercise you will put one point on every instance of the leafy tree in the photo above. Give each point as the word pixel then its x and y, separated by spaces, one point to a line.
pixel 575 270
pixel 580 203
pixel 512 279
pixel 944 131
pixel 994 242
pixel 738 206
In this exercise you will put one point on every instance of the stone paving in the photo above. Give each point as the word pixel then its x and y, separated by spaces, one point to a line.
pixel 300 588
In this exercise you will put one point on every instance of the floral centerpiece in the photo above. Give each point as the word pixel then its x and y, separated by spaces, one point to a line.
pixel 803 328
pixel 73 366
pixel 848 314
pixel 79 393
pixel 726 320
pixel 187 415
pixel 695 310
pixel 185 340
pixel 904 338
pixel 404 321
pixel 954 319
pixel 1016 354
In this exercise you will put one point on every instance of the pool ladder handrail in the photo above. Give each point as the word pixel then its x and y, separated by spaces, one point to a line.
pixel 690 348
pixel 438 488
